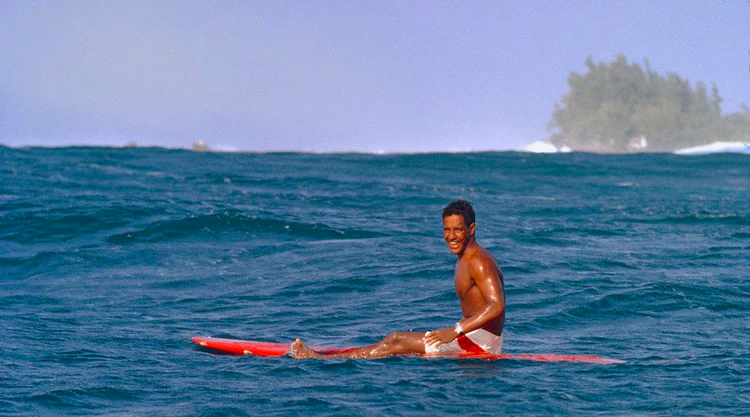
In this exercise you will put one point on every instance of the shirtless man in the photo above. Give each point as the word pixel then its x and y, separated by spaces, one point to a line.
pixel 480 288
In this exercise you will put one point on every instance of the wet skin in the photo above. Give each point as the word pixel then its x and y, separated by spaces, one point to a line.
pixel 479 286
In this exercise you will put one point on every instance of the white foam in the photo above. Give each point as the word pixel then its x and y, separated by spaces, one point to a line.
pixel 716 147
pixel 225 148
pixel 540 147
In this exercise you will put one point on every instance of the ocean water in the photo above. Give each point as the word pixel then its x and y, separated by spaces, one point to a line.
pixel 112 259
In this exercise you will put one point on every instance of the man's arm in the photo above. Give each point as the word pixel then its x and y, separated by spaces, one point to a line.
pixel 485 273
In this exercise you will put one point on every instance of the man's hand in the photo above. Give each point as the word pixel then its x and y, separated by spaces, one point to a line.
pixel 440 336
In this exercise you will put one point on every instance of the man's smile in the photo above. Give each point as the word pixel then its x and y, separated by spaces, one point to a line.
pixel 457 234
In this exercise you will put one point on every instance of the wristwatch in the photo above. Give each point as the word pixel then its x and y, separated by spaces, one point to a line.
pixel 459 329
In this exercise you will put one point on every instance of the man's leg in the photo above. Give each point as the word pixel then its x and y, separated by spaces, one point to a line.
pixel 397 343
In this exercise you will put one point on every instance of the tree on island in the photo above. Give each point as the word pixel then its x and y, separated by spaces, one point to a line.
pixel 619 107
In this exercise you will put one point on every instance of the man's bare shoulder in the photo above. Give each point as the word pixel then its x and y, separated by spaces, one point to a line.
pixel 480 259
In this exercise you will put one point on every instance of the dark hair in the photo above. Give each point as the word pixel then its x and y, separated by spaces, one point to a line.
pixel 462 208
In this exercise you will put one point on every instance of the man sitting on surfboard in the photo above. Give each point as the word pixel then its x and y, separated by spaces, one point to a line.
pixel 481 291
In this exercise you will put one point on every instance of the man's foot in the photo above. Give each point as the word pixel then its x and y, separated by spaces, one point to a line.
pixel 298 350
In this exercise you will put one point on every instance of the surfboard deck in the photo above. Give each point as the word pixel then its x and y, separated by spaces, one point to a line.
pixel 268 349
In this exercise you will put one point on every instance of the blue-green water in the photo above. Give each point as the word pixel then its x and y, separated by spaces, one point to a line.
pixel 111 259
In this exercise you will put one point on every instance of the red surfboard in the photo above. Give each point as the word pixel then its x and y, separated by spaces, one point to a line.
pixel 267 349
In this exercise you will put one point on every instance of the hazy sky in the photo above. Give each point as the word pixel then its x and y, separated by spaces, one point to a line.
pixel 337 75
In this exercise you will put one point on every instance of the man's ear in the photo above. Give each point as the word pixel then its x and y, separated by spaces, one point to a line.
pixel 472 228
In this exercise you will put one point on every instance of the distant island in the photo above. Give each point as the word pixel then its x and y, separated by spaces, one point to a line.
pixel 621 107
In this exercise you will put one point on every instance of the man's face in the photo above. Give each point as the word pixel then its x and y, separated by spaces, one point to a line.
pixel 457 235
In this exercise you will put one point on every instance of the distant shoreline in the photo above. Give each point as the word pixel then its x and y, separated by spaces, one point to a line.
pixel 711 148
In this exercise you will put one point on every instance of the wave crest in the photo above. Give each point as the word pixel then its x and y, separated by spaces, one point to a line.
pixel 231 223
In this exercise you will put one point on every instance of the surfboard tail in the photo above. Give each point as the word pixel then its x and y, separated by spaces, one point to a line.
pixel 551 357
